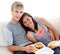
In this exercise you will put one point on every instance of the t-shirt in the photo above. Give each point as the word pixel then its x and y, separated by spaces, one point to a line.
pixel 15 34
pixel 43 37
pixel 41 34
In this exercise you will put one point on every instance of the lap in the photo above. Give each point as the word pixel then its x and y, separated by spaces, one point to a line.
pixel 19 52
pixel 57 51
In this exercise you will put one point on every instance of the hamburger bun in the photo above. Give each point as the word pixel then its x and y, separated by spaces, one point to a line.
pixel 38 45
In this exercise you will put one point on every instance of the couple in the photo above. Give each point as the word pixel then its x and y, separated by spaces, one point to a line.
pixel 23 30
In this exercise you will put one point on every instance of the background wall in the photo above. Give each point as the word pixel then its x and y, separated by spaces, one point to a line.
pixel 41 8
pixel 48 9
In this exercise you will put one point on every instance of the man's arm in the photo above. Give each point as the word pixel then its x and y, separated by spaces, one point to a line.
pixel 9 43
pixel 55 32
pixel 15 48
pixel 27 49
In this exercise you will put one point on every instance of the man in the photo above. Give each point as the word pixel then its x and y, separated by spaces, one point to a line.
pixel 14 34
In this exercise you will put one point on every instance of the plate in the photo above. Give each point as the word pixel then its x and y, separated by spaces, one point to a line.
pixel 37 46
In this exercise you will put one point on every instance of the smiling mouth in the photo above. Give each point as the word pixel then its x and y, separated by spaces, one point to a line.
pixel 18 17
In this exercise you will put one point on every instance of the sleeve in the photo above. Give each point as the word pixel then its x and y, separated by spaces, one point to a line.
pixel 8 36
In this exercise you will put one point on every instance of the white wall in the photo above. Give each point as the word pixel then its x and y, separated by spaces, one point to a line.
pixel 42 8
pixel 48 9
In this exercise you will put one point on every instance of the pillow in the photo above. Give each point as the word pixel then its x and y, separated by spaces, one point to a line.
pixel 3 44
pixel 4 50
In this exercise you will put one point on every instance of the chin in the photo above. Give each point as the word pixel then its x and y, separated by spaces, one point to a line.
pixel 17 18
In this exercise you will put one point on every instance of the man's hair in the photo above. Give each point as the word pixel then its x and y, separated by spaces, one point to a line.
pixel 17 4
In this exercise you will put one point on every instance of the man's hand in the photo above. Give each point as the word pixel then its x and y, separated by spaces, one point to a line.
pixel 51 36
pixel 28 49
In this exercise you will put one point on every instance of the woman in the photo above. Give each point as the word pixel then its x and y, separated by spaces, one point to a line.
pixel 38 29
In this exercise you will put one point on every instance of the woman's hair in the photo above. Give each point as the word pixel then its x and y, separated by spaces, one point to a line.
pixel 16 4
pixel 27 28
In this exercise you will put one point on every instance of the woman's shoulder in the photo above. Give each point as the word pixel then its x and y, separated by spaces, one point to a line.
pixel 39 19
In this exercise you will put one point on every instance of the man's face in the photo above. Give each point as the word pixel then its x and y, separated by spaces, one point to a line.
pixel 17 13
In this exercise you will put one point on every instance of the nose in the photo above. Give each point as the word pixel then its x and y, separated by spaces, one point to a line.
pixel 19 15
pixel 27 23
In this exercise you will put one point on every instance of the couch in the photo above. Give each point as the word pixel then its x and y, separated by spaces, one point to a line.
pixel 3 48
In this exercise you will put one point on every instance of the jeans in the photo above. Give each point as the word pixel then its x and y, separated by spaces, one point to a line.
pixel 57 50
pixel 19 52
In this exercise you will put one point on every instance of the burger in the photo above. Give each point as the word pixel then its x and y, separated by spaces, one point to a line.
pixel 38 45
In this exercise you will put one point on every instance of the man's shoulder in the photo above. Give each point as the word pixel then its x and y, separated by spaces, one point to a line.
pixel 10 24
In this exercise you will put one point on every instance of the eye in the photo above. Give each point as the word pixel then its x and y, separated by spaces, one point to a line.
pixel 17 11
pixel 27 19
pixel 21 12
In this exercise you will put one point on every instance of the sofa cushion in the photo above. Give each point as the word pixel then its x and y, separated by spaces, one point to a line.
pixel 3 48
pixel 2 41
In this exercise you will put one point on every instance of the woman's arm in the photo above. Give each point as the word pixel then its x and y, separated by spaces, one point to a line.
pixel 31 37
pixel 55 32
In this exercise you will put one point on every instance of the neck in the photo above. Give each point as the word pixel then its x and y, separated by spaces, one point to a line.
pixel 14 21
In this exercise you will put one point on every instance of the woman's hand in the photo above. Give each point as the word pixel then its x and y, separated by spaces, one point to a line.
pixel 52 47
pixel 51 36
pixel 52 44
pixel 28 49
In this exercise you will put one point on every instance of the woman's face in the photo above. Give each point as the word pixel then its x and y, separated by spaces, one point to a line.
pixel 17 13
pixel 27 21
